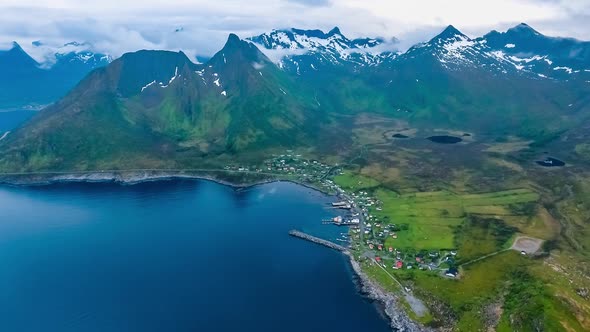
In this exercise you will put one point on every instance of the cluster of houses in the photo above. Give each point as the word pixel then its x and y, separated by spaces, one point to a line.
pixel 291 164
pixel 442 261
pixel 377 232
pixel 294 164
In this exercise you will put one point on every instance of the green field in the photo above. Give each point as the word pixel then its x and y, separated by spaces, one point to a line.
pixel 433 217
pixel 527 301
pixel 355 182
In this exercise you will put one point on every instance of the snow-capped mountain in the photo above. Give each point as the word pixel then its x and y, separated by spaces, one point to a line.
pixel 304 51
pixel 547 57
pixel 28 82
pixel 455 51
pixel 72 53
pixel 521 50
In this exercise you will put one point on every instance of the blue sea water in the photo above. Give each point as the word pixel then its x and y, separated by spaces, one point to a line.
pixel 12 119
pixel 173 256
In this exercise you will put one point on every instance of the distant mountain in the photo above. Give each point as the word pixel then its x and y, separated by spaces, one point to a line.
pixel 455 80
pixel 26 82
pixel 158 108
pixel 548 57
pixel 453 50
pixel 307 51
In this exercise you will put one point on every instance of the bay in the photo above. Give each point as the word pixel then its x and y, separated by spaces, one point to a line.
pixel 173 256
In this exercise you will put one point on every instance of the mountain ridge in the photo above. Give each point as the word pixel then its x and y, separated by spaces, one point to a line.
pixel 27 82
pixel 241 101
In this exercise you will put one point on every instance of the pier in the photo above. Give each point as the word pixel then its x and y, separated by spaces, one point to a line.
pixel 317 240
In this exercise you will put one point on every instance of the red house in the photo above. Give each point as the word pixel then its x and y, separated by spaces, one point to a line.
pixel 399 264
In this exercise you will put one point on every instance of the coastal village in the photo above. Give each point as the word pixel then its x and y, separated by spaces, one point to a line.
pixel 368 235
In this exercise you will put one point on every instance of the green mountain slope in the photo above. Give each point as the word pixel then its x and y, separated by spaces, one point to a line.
pixel 158 109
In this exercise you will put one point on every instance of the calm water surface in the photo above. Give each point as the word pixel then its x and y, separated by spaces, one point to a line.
pixel 173 256
pixel 12 119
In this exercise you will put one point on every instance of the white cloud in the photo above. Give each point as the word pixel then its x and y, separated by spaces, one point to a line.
pixel 119 26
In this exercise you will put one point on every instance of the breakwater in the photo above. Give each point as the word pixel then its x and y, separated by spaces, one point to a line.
pixel 317 240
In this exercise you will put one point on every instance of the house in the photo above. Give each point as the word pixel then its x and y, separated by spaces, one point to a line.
pixel 399 265
pixel 371 246
pixel 390 249
pixel 378 259
pixel 380 247
pixel 452 272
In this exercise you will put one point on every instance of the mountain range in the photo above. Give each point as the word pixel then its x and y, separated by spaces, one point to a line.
pixel 159 109
pixel 28 83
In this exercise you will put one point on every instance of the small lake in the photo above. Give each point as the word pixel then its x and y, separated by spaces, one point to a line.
pixel 551 162
pixel 174 256
pixel 445 139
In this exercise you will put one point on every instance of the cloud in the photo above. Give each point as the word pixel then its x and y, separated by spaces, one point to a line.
pixel 115 26
pixel 276 55
pixel 312 2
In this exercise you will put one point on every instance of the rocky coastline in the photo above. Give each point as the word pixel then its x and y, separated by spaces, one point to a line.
pixel 123 178
pixel 399 319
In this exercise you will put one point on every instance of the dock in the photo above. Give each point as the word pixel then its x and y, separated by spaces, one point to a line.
pixel 317 240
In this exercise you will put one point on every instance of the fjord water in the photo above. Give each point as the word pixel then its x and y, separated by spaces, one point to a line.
pixel 11 119
pixel 173 256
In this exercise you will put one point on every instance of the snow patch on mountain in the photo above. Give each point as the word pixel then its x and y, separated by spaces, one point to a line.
pixel 148 85
pixel 567 69
pixel 257 66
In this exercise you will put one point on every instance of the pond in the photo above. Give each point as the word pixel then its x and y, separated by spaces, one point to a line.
pixel 445 139
pixel 551 162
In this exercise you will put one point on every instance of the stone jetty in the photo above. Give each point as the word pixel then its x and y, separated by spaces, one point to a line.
pixel 317 240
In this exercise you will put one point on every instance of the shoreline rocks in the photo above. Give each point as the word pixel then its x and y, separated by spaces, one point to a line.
pixel 399 320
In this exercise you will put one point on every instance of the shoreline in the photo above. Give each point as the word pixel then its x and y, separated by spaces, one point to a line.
pixel 122 178
pixel 397 317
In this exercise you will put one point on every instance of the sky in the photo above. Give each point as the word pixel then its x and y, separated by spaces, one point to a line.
pixel 200 27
